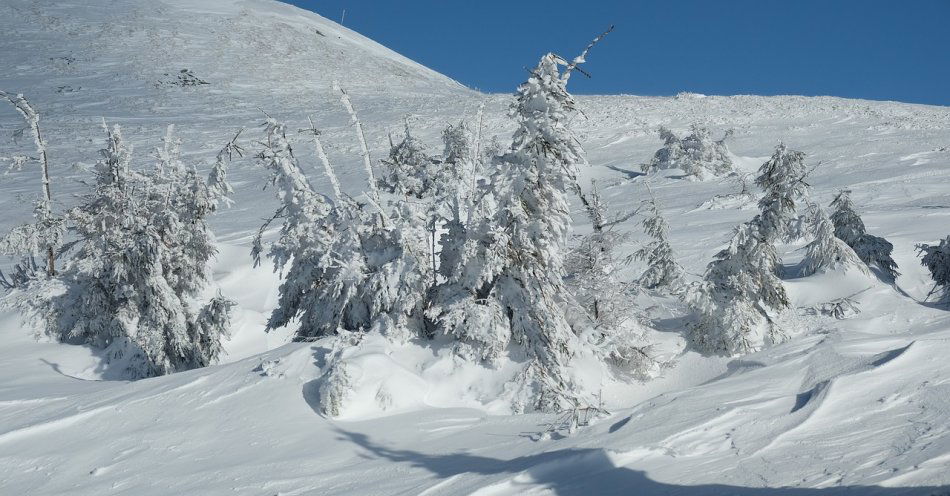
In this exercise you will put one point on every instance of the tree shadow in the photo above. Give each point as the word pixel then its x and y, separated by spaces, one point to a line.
pixel 627 172
pixel 590 471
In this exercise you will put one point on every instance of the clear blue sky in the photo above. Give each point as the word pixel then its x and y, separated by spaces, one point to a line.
pixel 874 49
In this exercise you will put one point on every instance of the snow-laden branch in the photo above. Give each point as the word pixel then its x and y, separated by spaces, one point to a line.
pixel 364 150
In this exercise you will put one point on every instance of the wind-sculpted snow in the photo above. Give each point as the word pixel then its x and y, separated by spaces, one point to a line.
pixel 856 405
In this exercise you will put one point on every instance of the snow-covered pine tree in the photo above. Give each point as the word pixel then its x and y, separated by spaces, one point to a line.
pixel 826 251
pixel 734 303
pixel 782 178
pixel 458 161
pixel 138 269
pixel 303 250
pixel 696 154
pixel 849 227
pixel 347 266
pixel 218 186
pixel 662 272
pixel 603 315
pixel 511 289
pixel 740 291
pixel 937 260
pixel 669 155
pixel 425 198
pixel 411 170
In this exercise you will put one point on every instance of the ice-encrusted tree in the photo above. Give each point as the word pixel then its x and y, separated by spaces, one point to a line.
pixel 134 284
pixel 782 179
pixel 662 269
pixel 826 251
pixel 46 233
pixel 411 170
pixel 849 227
pixel 734 304
pixel 937 260
pixel 511 288
pixel 458 158
pixel 348 266
pixel 696 154
pixel 303 248
pixel 604 308
pixel 429 191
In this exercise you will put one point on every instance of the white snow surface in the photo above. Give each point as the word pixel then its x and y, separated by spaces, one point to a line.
pixel 857 406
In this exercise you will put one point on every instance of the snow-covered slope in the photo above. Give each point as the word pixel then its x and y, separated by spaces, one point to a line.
pixel 857 406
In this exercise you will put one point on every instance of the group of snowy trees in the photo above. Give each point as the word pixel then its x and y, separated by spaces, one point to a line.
pixel 696 154
pixel 737 303
pixel 126 270
pixel 469 247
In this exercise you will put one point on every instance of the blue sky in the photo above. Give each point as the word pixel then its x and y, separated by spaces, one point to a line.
pixel 874 49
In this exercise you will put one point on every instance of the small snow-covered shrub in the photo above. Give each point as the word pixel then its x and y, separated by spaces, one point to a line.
pixel 696 154
pixel 740 200
pixel 841 308
pixel 826 251
pixel 662 269
pixel 734 304
pixel 184 78
pixel 849 227
pixel 782 178
pixel 937 260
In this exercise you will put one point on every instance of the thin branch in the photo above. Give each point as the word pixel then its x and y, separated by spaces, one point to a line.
pixel 364 150
pixel 322 155
pixel 580 59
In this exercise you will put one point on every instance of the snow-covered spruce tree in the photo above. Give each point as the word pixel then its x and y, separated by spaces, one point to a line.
pixel 734 304
pixel 47 232
pixel 303 248
pixel 662 272
pixel 937 260
pixel 604 302
pixel 782 178
pixel 180 202
pixel 348 266
pixel 411 171
pixel 668 156
pixel 849 227
pixel 138 269
pixel 459 157
pixel 511 290
pixel 696 154
pixel 427 192
pixel 826 251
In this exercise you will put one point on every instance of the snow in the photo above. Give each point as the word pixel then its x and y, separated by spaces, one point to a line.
pixel 853 406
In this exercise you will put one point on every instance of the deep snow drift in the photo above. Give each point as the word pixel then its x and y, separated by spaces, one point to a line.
pixel 855 406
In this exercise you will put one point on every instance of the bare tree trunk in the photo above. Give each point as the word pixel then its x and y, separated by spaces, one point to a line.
pixel 364 150
pixel 33 121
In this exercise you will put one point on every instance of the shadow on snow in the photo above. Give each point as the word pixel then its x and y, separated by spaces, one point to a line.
pixel 586 472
